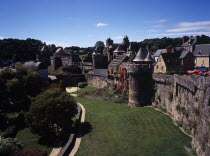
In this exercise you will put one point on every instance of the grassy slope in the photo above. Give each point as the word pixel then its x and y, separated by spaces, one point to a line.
pixel 119 130
pixel 86 89
pixel 30 140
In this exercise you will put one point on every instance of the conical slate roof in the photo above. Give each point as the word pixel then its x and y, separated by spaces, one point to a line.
pixel 119 49
pixel 141 55
pixel 148 58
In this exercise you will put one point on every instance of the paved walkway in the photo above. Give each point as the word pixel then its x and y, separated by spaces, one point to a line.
pixel 78 140
pixel 71 90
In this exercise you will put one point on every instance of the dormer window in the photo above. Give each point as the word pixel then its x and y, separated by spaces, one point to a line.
pixel 199 52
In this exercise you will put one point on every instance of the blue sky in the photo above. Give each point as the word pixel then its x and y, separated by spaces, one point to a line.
pixel 83 22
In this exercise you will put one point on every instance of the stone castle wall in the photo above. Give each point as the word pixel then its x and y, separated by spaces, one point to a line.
pixel 187 100
pixel 97 80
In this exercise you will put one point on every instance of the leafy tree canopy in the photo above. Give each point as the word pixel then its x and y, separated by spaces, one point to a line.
pixel 51 113
pixel 20 50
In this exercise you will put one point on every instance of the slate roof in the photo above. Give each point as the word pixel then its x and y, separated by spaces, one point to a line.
pixel 61 52
pixel 183 54
pixel 148 58
pixel 192 41
pixel 141 55
pixel 171 59
pixel 119 49
pixel 179 49
pixel 98 71
pixel 202 50
pixel 158 52
pixel 117 61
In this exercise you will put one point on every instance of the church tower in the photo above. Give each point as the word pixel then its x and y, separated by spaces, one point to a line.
pixel 140 79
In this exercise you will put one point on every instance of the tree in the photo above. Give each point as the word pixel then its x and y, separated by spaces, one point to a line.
pixel 61 85
pixel 51 113
pixel 100 45
pixel 8 145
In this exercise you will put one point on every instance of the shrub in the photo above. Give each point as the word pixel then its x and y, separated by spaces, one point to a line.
pixel 11 131
pixel 8 145
pixel 3 120
pixel 82 84
pixel 29 152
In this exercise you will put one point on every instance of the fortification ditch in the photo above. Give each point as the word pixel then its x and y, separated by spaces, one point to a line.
pixel 187 100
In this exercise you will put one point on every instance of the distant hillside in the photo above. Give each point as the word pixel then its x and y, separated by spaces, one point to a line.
pixel 20 50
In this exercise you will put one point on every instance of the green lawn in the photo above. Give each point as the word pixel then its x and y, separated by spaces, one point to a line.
pixel 122 131
pixel 86 89
pixel 30 140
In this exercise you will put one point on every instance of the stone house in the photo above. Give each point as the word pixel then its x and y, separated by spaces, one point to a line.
pixel 64 59
pixel 189 44
pixel 202 55
pixel 44 56
pixel 174 62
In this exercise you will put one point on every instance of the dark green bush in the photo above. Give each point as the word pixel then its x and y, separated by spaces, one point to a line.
pixel 8 145
pixel 11 131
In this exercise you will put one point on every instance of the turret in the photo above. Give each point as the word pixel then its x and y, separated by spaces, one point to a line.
pixel 94 56
pixel 125 43
pixel 119 50
pixel 140 79
pixel 109 42
pixel 110 53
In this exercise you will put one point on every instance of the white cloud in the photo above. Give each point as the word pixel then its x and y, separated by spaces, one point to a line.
pixel 182 34
pixel 59 44
pixel 162 20
pixel 158 26
pixel 101 24
pixel 153 30
pixel 157 21
pixel 184 29
pixel 118 37
pixel 194 24
pixel 191 26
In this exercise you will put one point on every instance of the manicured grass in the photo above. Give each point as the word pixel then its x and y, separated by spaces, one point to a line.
pixel 86 89
pixel 30 140
pixel 122 131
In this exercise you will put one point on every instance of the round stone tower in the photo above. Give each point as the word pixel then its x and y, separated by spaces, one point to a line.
pixel 140 79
